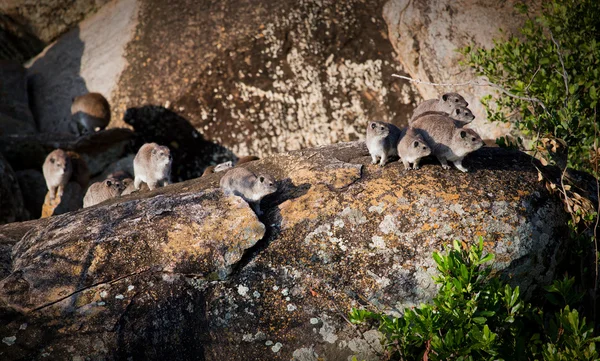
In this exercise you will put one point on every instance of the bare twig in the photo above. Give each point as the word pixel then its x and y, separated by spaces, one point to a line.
pixel 479 82
pixel 564 73
pixel 533 77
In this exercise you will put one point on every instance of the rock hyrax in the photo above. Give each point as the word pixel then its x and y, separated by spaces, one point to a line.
pixel 91 112
pixel 382 141
pixel 57 171
pixel 448 142
pixel 251 187
pixel 446 103
pixel 101 191
pixel 461 115
pixel 152 165
pixel 412 147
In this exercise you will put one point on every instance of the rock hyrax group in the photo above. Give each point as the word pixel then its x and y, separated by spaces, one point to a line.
pixel 437 127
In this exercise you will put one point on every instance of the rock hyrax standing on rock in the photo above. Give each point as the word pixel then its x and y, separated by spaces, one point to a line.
pixel 251 187
pixel 152 165
pixel 382 140
pixel 411 148
pixel 57 171
pixel 446 103
pixel 91 112
pixel 448 142
pixel 101 191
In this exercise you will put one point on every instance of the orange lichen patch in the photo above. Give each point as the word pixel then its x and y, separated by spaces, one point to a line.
pixel 426 227
pixel 182 238
pixel 317 202
pixel 523 193
pixel 378 190
pixel 449 196
pixel 338 176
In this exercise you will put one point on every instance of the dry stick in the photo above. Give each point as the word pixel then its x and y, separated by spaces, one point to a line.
pixel 479 82
pixel 533 77
pixel 564 73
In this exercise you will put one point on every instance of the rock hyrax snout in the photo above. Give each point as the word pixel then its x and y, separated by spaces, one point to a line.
pixel 251 187
pixel 152 165
pixel 91 112
pixel 57 171
pixel 382 140
pixel 446 103
pixel 101 191
pixel 448 142
pixel 412 147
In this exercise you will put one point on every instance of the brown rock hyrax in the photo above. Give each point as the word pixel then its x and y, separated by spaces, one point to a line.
pixel 446 103
pixel 90 112
pixel 411 148
pixel 447 142
pixel 128 186
pixel 461 115
pixel 251 187
pixel 152 165
pixel 101 191
pixel 382 141
pixel 57 171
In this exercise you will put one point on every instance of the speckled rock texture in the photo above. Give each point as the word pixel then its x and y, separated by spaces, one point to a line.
pixel 426 35
pixel 186 271
pixel 12 206
pixel 254 76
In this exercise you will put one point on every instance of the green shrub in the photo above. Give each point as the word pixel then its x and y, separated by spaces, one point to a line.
pixel 556 62
pixel 475 316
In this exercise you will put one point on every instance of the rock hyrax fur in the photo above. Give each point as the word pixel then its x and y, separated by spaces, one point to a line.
pixel 382 141
pixel 251 187
pixel 412 147
pixel 446 103
pixel 101 191
pixel 152 165
pixel 57 171
pixel 461 115
pixel 229 164
pixel 448 142
pixel 91 112
pixel 128 186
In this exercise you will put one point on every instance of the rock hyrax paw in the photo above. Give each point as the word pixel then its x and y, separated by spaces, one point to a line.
pixel 416 167
pixel 446 166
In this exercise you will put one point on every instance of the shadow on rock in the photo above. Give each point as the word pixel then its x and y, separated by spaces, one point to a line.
pixel 191 152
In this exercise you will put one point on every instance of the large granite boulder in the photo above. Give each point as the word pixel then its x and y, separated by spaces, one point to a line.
pixel 255 76
pixel 184 272
pixel 426 35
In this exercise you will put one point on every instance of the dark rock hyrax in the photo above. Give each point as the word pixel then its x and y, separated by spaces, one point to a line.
pixel 57 171
pixel 447 141
pixel 90 112
pixel 382 141
pixel 446 103
pixel 101 191
pixel 411 148
pixel 251 187
pixel 152 165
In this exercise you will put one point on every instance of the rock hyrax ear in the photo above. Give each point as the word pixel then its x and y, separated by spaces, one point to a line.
pixel 463 134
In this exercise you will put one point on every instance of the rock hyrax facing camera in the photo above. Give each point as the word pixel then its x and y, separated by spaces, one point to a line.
pixel 382 141
pixel 101 191
pixel 411 148
pixel 446 103
pixel 90 112
pixel 251 187
pixel 152 165
pixel 57 171
pixel 447 142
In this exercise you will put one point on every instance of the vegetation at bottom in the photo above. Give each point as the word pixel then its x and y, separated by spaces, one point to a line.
pixel 476 316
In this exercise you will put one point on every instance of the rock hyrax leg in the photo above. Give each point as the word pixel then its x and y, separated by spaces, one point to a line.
pixel 458 164
pixel 152 165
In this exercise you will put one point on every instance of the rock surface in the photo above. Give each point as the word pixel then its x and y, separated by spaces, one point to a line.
pixel 256 77
pixel 161 273
pixel 71 200
pixel 33 188
pixel 15 116
pixel 426 35
pixel 12 207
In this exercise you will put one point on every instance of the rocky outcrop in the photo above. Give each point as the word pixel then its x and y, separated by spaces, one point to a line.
pixel 15 116
pixel 426 35
pixel 185 271
pixel 256 77
pixel 33 187
pixel 12 208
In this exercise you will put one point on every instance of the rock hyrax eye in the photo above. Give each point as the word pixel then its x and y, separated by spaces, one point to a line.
pixel 373 125
pixel 473 139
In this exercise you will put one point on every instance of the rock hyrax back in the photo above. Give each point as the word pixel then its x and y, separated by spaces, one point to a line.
pixel 448 142
pixel 412 147
pixel 461 115
pixel 101 191
pixel 57 171
pixel 152 165
pixel 446 103
pixel 382 141
pixel 251 187
pixel 91 111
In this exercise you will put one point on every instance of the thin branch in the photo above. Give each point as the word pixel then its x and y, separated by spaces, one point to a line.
pixel 533 77
pixel 564 74
pixel 479 82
